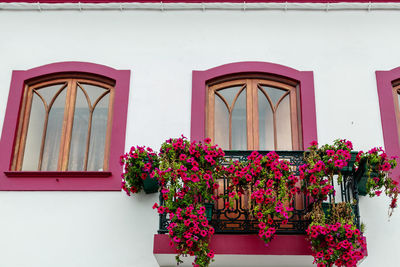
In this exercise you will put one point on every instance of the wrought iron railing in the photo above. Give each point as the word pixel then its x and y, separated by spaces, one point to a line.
pixel 238 220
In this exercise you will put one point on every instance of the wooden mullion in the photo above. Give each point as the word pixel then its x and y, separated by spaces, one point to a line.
pixel 293 119
pixel 255 119
pixel 249 115
pixel 67 125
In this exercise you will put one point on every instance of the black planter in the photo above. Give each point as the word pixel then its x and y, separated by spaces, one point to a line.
pixel 209 210
pixel 150 185
pixel 348 170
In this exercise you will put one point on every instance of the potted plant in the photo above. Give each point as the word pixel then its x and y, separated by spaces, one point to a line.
pixel 373 177
pixel 139 167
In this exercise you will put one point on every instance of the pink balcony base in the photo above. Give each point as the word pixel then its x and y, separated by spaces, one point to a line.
pixel 244 245
pixel 244 250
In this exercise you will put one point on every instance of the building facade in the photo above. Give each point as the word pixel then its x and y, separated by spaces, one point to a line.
pixel 155 59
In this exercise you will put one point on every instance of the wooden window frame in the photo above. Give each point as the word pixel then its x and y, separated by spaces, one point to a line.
pixel 251 82
pixel 70 83
pixel 107 180
pixel 302 80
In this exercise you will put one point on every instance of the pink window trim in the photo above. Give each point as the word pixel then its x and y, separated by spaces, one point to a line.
pixel 304 78
pixel 109 180
pixel 387 107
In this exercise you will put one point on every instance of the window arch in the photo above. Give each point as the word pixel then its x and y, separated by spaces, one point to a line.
pixel 61 122
pixel 275 106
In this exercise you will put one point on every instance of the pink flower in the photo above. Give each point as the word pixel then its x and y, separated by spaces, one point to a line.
pixel 210 254
pixel 189 243
pixel 314 143
pixel 211 231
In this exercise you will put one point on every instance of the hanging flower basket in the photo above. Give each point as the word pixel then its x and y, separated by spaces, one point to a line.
pixel 209 210
pixel 150 185
pixel 327 207
pixel 347 170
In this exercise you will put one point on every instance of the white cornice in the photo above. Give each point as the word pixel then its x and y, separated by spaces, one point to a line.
pixel 160 6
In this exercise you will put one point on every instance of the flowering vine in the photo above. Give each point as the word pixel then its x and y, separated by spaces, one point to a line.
pixel 271 186
pixel 188 176
pixel 321 166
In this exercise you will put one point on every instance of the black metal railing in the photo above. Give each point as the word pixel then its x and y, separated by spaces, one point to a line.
pixel 238 220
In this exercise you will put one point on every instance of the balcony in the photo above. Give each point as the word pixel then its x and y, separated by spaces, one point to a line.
pixel 236 230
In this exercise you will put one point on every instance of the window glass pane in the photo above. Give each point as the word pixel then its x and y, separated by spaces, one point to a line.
pixel 50 91
pixel 283 126
pixel 34 135
pixel 221 124
pixel 98 135
pixel 265 123
pixel 239 123
pixel 230 93
pixel 77 148
pixel 274 93
pixel 93 91
pixel 54 130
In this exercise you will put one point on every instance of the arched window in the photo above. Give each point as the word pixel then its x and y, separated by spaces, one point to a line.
pixel 64 128
pixel 255 112
pixel 254 106
pixel 65 124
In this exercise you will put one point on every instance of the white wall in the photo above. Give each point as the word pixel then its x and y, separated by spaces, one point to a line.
pixel 343 48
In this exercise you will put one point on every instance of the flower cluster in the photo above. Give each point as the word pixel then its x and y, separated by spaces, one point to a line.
pixel 321 165
pixel 190 233
pixel 339 244
pixel 271 186
pixel 334 238
pixel 378 166
pixel 139 164
pixel 188 176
